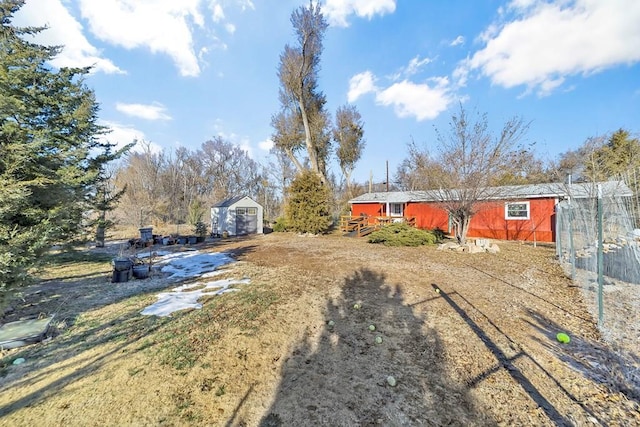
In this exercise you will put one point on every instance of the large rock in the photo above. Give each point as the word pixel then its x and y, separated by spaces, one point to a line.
pixel 448 246
pixel 474 249
pixel 478 246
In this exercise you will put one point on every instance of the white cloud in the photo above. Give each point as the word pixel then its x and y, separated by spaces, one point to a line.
pixel 361 84
pixel 337 11
pixel 218 13
pixel 415 64
pixel 413 67
pixel 244 4
pixel 458 41
pixel 65 30
pixel 162 26
pixel 266 145
pixel 422 101
pixel 154 111
pixel 546 42
pixel 245 146
pixel 122 135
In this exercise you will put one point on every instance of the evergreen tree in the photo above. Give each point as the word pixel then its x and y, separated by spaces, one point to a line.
pixel 50 153
pixel 308 208
pixel 616 156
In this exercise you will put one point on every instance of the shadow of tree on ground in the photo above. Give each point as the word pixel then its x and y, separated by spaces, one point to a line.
pixel 339 375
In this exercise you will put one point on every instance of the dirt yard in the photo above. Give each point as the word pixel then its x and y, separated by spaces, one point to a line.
pixel 468 339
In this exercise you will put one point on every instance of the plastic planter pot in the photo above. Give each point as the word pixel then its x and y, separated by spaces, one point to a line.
pixel 141 271
pixel 122 264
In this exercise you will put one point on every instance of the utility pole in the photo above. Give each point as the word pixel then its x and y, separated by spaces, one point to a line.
pixel 387 176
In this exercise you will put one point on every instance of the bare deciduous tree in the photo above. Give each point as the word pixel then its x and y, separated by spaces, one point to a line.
pixel 174 187
pixel 467 164
pixel 302 121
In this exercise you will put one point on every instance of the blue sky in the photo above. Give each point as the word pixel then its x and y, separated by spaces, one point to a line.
pixel 177 73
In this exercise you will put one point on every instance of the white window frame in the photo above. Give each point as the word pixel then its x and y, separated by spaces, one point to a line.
pixel 522 218
pixel 252 211
pixel 392 210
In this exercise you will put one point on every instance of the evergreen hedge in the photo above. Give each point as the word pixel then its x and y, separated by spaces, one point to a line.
pixel 401 234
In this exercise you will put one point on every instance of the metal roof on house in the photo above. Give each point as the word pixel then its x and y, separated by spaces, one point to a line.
pixel 228 202
pixel 530 191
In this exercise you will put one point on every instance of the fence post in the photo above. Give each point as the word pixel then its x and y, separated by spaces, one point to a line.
pixel 572 251
pixel 559 233
pixel 600 261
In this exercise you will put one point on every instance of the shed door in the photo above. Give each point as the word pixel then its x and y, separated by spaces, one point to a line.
pixel 246 221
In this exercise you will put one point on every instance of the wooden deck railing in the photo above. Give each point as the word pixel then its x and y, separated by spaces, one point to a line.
pixel 359 226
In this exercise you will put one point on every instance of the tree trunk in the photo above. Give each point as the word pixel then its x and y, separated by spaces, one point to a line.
pixel 461 225
pixel 311 149
pixel 294 160
pixel 464 229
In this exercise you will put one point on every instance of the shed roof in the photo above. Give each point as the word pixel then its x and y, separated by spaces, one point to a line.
pixel 530 191
pixel 228 202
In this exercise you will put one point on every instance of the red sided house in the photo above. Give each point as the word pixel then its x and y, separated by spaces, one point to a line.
pixel 518 212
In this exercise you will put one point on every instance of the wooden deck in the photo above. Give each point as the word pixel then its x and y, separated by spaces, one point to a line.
pixel 360 226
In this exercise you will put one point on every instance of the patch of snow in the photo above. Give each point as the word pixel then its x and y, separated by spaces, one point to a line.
pixel 181 265
pixel 178 299
pixel 191 264
pixel 155 253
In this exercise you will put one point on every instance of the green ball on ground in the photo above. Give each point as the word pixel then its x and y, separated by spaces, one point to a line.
pixel 391 381
pixel 357 306
pixel 331 323
pixel 372 327
pixel 378 340
pixel 563 338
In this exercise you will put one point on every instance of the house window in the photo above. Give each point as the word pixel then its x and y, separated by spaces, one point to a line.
pixel 241 211
pixel 519 210
pixel 395 209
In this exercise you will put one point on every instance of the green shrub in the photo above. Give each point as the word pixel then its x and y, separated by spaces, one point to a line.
pixel 280 225
pixel 200 229
pixel 401 234
pixel 308 205
pixel 439 233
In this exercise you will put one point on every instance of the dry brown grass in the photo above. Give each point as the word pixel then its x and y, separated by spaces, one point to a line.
pixel 482 351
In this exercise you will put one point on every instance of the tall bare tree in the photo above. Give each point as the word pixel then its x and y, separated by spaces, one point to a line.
pixel 140 173
pixel 468 163
pixel 348 134
pixel 419 170
pixel 302 122
pixel 176 187
pixel 228 170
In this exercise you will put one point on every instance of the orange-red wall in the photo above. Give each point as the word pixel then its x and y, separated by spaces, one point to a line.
pixel 428 216
pixel 488 222
pixel 367 209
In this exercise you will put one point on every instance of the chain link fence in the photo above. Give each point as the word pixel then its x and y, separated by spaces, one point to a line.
pixel 598 245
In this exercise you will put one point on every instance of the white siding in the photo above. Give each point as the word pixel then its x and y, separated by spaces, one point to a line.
pixel 226 216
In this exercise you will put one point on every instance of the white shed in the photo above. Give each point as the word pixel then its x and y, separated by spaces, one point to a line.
pixel 237 216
